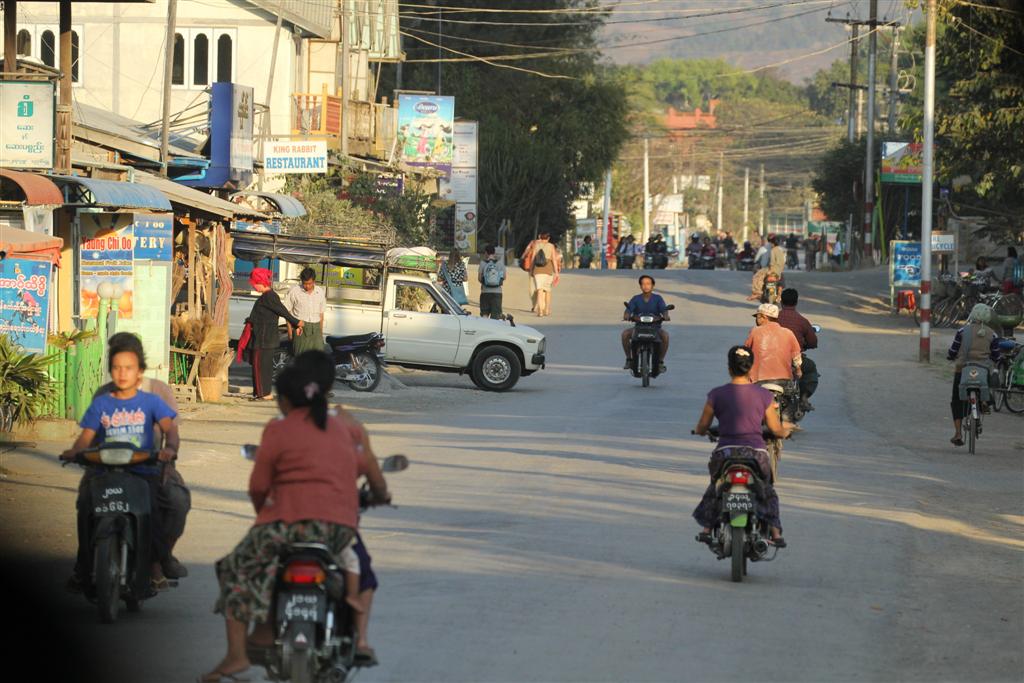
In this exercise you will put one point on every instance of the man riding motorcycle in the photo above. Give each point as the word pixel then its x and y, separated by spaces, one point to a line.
pixel 776 350
pixel 808 339
pixel 776 264
pixel 645 303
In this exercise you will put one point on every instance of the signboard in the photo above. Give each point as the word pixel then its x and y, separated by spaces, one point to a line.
pixel 902 162
pixel 296 157
pixel 465 227
pixel 153 237
pixel 905 267
pixel 426 131
pixel 390 185
pixel 466 150
pixel 27 124
pixel 943 242
pixel 231 114
pixel 107 257
pixel 586 226
pixel 460 186
pixel 824 227
pixel 25 302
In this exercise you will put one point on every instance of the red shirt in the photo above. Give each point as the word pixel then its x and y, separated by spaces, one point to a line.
pixel 799 326
pixel 303 472
pixel 774 349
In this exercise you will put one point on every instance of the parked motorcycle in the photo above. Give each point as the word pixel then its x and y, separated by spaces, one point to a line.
pixel 314 627
pixel 740 534
pixel 120 528
pixel 358 360
pixel 645 345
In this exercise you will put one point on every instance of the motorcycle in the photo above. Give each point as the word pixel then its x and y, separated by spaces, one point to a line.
pixel 740 535
pixel 120 529
pixel 314 627
pixel 645 345
pixel 358 360
pixel 745 263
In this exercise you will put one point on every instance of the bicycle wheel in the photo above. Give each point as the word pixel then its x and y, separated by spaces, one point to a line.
pixel 944 311
pixel 999 394
pixel 1013 386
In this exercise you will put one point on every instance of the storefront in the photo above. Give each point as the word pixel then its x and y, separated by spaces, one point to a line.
pixel 28 201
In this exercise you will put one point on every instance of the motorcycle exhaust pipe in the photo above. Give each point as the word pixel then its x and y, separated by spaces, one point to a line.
pixel 761 546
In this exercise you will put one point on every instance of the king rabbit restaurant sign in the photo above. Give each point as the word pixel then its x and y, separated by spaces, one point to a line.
pixel 309 156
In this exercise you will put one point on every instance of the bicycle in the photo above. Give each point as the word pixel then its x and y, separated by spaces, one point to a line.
pixel 1010 373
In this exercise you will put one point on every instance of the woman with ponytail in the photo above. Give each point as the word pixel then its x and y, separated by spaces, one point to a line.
pixel 304 490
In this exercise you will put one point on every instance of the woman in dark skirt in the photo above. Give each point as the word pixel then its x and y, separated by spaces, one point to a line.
pixel 266 338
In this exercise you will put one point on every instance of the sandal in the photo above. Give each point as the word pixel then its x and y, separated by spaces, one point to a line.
pixel 779 542
pixel 217 676
pixel 705 537
pixel 957 441
pixel 160 584
pixel 365 657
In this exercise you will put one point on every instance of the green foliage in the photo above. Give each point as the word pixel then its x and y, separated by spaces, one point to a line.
pixel 65 340
pixel 838 172
pixel 541 138
pixel 25 386
pixel 329 216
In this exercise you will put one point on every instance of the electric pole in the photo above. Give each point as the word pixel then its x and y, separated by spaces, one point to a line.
pixel 893 67
pixel 647 191
pixel 746 202
pixel 869 160
pixel 172 15
pixel 760 223
pixel 721 180
pixel 346 90
pixel 926 183
pixel 605 230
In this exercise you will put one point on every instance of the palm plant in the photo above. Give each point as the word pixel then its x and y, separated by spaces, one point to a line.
pixel 25 385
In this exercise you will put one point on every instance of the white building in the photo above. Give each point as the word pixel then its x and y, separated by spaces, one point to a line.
pixel 118 51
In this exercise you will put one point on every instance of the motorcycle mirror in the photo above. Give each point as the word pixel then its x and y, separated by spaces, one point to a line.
pixel 394 463
pixel 816 328
pixel 670 307
pixel 625 304
pixel 249 451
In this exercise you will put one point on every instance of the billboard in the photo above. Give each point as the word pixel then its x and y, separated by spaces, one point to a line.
pixel 232 109
pixel 905 267
pixel 426 131
pixel 25 302
pixel 902 163
pixel 309 156
pixel 27 120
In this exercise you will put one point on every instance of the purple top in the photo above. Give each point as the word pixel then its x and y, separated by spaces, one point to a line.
pixel 740 411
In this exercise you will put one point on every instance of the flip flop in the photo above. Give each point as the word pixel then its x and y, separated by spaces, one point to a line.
pixel 365 657
pixel 217 676
pixel 956 442
pixel 161 584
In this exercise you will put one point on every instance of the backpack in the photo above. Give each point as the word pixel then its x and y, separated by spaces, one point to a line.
pixel 492 274
pixel 540 259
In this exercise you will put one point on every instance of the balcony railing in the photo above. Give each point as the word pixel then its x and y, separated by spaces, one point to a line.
pixel 371 126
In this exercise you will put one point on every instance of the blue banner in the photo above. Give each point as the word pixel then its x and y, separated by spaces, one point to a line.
pixel 153 237
pixel 25 302
pixel 905 270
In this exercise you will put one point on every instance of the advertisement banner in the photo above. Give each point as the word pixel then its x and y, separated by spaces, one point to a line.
pixel 465 227
pixel 296 157
pixel 905 267
pixel 153 237
pixel 27 119
pixel 107 258
pixel 460 186
pixel 467 149
pixel 25 302
pixel 902 162
pixel 426 127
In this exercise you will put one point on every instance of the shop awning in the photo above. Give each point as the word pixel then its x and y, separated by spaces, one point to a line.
pixel 257 247
pixel 196 199
pixel 112 193
pixel 286 205
pixel 15 242
pixel 38 189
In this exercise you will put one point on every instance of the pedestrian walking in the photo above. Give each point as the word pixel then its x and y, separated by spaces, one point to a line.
pixel 307 301
pixel 811 253
pixel 544 272
pixel 585 253
pixel 491 276
pixel 265 339
pixel 837 254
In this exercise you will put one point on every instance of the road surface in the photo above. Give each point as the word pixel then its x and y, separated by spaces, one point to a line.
pixel 545 534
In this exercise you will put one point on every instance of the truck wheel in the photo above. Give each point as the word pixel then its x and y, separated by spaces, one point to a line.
pixel 496 368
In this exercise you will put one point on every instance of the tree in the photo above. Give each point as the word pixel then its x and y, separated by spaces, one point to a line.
pixel 839 172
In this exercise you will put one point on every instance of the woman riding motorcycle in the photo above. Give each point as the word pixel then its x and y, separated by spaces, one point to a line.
pixel 741 408
pixel 303 487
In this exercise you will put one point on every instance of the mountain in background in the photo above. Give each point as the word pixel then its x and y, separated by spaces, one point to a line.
pixel 763 33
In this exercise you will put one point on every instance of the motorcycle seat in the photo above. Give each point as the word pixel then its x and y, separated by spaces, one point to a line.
pixel 350 340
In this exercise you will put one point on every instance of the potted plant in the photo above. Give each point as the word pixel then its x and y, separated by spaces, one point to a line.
pixel 25 386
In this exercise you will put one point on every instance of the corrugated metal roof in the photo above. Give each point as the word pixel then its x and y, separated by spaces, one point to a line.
pixel 286 205
pixel 206 203
pixel 126 134
pixel 315 17
pixel 38 189
pixel 112 193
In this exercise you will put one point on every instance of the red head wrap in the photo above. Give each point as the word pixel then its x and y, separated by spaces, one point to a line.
pixel 261 276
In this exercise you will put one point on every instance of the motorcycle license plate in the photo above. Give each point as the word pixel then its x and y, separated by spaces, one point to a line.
pixel 739 502
pixel 302 606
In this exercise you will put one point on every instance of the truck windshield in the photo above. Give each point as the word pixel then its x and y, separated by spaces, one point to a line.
pixel 452 305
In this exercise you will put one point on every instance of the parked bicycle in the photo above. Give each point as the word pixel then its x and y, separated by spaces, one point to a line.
pixel 1010 373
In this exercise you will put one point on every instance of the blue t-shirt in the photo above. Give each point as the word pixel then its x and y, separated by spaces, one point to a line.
pixel 127 420
pixel 655 306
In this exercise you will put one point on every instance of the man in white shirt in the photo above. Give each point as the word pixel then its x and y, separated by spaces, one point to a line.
pixel 307 302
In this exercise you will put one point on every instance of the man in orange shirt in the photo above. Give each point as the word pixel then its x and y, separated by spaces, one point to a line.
pixel 776 349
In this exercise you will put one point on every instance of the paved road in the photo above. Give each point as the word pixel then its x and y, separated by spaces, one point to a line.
pixel 545 534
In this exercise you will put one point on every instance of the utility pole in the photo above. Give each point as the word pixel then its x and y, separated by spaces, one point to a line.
pixel 64 117
pixel 264 121
pixel 893 67
pixel 721 181
pixel 746 202
pixel 926 183
pixel 606 228
pixel 165 131
pixel 760 222
pixel 10 36
pixel 869 157
pixel 346 89
pixel 647 191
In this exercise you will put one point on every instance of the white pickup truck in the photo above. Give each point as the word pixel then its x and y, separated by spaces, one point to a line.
pixel 423 326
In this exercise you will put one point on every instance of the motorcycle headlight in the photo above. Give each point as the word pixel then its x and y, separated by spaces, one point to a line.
pixel 114 456
pixel 647 318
